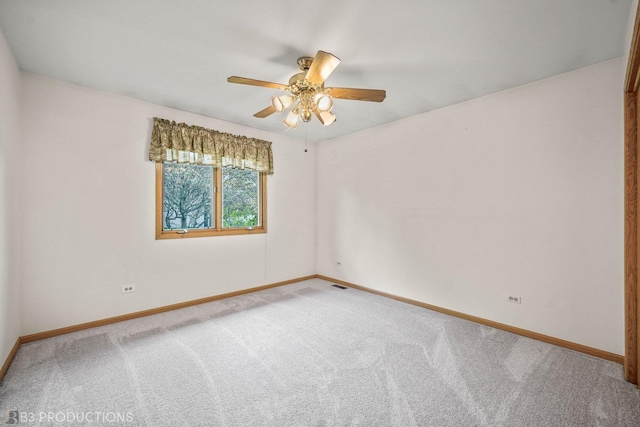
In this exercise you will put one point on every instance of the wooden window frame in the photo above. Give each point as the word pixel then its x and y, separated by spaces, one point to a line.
pixel 162 234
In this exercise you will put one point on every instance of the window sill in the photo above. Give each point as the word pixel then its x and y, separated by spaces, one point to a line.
pixel 177 234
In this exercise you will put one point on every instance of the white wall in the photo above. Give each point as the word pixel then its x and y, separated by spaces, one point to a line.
pixel 88 213
pixel 9 189
pixel 520 192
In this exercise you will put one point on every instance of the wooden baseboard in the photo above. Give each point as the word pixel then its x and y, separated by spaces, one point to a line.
pixel 138 314
pixel 525 333
pixel 10 357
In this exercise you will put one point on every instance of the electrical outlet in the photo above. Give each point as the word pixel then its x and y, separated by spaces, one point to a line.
pixel 515 300
pixel 128 288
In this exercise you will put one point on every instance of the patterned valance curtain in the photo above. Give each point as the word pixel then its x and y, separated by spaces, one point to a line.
pixel 182 143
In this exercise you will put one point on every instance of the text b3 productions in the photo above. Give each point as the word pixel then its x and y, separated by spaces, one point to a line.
pixel 60 417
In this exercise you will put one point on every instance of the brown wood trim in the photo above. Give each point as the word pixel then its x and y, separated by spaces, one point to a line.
pixel 523 332
pixel 10 357
pixel 163 309
pixel 158 200
pixel 631 236
pixel 218 185
pixel 263 201
pixel 631 176
pixel 165 235
pixel 526 333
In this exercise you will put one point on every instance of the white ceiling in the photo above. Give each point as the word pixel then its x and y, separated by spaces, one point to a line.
pixel 426 54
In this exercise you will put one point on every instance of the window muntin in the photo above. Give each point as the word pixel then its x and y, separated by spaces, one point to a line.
pixel 197 201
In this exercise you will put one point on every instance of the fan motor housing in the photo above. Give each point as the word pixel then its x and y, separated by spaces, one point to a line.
pixel 304 63
pixel 297 78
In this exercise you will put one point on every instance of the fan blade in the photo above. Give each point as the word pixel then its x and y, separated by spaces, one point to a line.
pixel 265 113
pixel 323 64
pixel 373 95
pixel 253 82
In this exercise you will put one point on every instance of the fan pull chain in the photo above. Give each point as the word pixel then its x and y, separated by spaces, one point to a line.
pixel 305 137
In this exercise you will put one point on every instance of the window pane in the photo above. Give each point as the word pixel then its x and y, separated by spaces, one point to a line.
pixel 240 198
pixel 187 196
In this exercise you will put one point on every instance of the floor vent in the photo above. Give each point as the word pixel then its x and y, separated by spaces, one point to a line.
pixel 339 286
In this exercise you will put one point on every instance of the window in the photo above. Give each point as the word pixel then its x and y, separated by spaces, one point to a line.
pixel 208 183
pixel 199 200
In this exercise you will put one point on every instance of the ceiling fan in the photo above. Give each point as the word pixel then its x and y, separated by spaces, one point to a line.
pixel 307 92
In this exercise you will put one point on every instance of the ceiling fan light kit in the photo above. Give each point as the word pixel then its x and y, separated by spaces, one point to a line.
pixel 280 103
pixel 291 121
pixel 308 95
pixel 324 102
